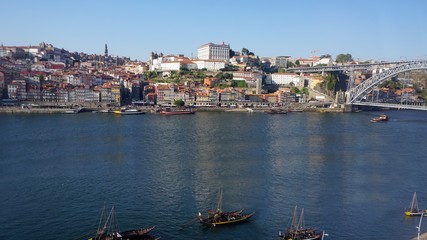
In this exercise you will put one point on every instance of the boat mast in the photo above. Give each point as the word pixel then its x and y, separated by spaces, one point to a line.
pixel 219 207
pixel 414 203
pixel 301 220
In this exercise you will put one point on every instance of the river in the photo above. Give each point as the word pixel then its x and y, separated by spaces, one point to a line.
pixel 352 177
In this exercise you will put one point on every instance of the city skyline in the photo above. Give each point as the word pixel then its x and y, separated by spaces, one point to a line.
pixel 382 30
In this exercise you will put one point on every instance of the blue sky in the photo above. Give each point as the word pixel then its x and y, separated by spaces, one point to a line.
pixel 367 29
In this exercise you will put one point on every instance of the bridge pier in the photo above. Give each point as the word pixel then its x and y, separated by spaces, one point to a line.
pixel 348 107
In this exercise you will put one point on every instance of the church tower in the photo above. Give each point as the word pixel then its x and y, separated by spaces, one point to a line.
pixel 106 51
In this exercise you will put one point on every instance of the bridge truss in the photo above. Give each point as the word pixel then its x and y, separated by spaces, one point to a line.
pixel 359 92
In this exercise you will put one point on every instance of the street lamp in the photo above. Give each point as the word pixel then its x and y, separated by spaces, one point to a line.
pixel 419 225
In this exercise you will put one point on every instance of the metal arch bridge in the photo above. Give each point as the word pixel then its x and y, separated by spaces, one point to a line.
pixel 348 67
pixel 356 94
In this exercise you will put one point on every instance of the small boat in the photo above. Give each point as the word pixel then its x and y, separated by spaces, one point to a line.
pixel 276 111
pixel 413 209
pixel 128 112
pixel 108 231
pixel 106 111
pixel 72 111
pixel 381 118
pixel 297 231
pixel 220 217
pixel 169 111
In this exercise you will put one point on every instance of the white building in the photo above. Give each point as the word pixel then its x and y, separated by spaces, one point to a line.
pixel 283 79
pixel 210 65
pixel 172 63
pixel 211 51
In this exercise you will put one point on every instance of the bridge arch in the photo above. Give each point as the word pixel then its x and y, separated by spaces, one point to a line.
pixel 357 93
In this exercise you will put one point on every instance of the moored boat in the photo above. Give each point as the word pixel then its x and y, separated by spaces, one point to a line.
pixel 297 231
pixel 108 231
pixel 169 111
pixel 276 111
pixel 137 233
pixel 72 111
pixel 413 209
pixel 128 112
pixel 220 217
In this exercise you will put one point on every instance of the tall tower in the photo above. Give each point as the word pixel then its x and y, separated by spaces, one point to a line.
pixel 106 50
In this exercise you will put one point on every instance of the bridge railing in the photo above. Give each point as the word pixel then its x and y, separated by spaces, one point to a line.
pixel 414 106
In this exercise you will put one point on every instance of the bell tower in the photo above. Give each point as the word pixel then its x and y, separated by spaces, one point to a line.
pixel 106 51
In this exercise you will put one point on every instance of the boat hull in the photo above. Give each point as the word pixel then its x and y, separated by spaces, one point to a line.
pixel 408 213
pixel 232 219
pixel 128 112
pixel 176 112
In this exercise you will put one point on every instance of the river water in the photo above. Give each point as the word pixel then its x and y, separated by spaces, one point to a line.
pixel 352 177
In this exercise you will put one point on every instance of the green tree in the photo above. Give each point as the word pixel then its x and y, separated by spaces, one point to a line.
pixel 291 64
pixel 179 103
pixel 325 56
pixel 246 52
pixel 150 75
pixel 344 58
pixel 331 81
pixel 295 90
pixel 239 83
pixel 297 62
pixel 305 91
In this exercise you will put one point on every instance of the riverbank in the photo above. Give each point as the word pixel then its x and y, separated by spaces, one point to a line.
pixel 20 110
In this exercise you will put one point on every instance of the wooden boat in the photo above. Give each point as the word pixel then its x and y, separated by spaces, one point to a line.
pixel 276 111
pixel 381 118
pixel 108 231
pixel 297 231
pixel 169 111
pixel 72 111
pixel 136 234
pixel 413 209
pixel 128 112
pixel 220 217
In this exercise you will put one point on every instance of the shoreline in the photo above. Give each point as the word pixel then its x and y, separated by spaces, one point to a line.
pixel 20 110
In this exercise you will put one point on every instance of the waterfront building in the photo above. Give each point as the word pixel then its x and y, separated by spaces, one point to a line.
pixel 211 51
pixel 33 93
pixel 2 84
pixel 17 89
pixel 165 93
pixel 116 93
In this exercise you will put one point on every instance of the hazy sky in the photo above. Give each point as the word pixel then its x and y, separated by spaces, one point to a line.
pixel 367 29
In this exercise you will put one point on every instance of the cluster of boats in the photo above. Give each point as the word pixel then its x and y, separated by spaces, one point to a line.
pixel 167 111
pixel 276 111
pixel 107 229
